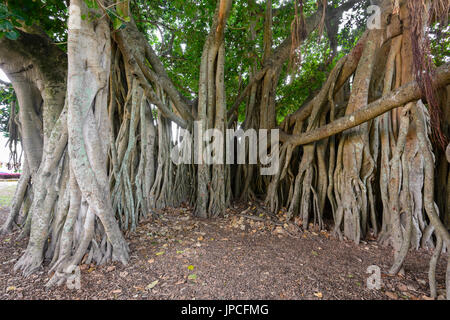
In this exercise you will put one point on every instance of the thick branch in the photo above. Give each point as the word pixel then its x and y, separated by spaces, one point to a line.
pixel 399 97
pixel 135 39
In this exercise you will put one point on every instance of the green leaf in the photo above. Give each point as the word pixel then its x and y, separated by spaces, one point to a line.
pixel 6 25
pixel 152 285
pixel 16 24
pixel 192 276
pixel 92 4
pixel 12 35
pixel 111 14
pixel 120 12
pixel 117 23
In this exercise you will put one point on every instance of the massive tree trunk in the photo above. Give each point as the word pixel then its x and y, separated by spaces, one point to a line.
pixel 89 50
pixel 212 187
pixel 71 204
pixel 37 70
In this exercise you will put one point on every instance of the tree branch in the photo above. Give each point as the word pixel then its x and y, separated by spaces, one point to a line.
pixel 396 98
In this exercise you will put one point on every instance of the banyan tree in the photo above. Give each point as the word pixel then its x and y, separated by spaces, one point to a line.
pixel 103 90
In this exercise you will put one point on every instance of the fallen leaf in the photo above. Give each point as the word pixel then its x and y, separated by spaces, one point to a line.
pixel 116 291
pixel 391 295
pixel 318 294
pixel 402 287
pixel 278 230
pixel 138 288
pixel 159 253
pixel 151 260
pixel 404 295
pixel 11 288
pixel 152 285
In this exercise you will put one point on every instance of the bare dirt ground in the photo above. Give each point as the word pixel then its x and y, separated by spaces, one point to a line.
pixel 236 257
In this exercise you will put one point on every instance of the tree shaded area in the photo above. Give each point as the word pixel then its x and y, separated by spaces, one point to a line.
pixel 102 90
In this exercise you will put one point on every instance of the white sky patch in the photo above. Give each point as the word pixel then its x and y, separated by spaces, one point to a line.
pixel 3 76
pixel 4 151
pixel 346 17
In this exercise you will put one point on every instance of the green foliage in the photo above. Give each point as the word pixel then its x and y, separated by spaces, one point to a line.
pixel 8 23
pixel 440 44
pixel 91 4
pixel 117 17
pixel 7 96
pixel 298 86
pixel 48 15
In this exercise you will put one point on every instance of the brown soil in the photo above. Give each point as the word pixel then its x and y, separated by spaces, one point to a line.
pixel 229 258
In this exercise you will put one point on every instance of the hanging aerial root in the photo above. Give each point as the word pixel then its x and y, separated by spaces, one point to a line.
pixel 419 115
pixel 403 251
pixel 18 199
pixel 424 67
pixel 432 270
